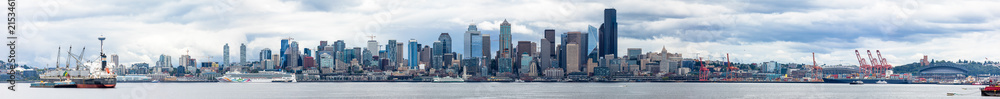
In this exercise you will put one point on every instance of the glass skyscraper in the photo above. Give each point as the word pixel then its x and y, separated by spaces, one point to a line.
pixel 473 43
pixel 390 52
pixel 414 54
pixel 609 33
pixel 225 54
pixel 505 44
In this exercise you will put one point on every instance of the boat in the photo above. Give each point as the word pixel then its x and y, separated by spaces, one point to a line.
pixel 857 83
pixel 881 82
pixel 134 78
pixel 448 79
pixel 262 76
pixel 991 90
pixel 85 77
pixel 519 81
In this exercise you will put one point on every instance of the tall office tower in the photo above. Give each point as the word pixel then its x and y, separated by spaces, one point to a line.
pixel 184 60
pixel 609 33
pixel 445 43
pixel 264 54
pixel 274 61
pixel 164 61
pixel 525 63
pixel 633 58
pixel 523 47
pixel 339 46
pixel 580 39
pixel 372 46
pixel 473 42
pixel 425 55
pixel 283 59
pixel 592 38
pixel 243 54
pixel 225 54
pixel 573 60
pixel 399 54
pixel 505 45
pixel 292 55
pixel 113 58
pixel 320 48
pixel 414 54
pixel 486 46
pixel 561 50
pixel 548 49
pixel 436 55
pixel 390 52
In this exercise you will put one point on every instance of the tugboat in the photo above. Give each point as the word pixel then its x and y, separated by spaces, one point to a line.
pixel 992 90
pixel 857 83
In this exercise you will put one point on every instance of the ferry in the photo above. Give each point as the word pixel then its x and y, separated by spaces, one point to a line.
pixel 449 79
pixel 262 76
pixel 992 90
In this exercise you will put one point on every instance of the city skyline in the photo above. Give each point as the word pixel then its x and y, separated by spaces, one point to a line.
pixel 904 30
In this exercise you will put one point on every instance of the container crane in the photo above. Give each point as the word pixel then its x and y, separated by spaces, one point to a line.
pixel 703 76
pixel 861 61
pixel 885 65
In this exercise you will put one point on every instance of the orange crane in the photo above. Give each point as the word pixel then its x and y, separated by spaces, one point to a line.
pixel 816 68
pixel 861 61
pixel 875 66
pixel 703 76
pixel 732 69
pixel 885 65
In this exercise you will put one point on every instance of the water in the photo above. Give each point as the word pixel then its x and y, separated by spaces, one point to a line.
pixel 500 90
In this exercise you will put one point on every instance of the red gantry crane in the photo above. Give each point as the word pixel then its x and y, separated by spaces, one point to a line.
pixel 861 61
pixel 816 68
pixel 703 76
pixel 885 66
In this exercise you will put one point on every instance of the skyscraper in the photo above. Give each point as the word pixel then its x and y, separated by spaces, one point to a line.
pixel 372 46
pixel 283 59
pixel 243 54
pixel 265 54
pixel 609 33
pixel 473 43
pixel 486 46
pixel 390 52
pixel 505 38
pixel 445 43
pixel 225 54
pixel 292 55
pixel 399 54
pixel 437 54
pixel 572 58
pixel 592 38
pixel 523 48
pixel 548 49
pixel 414 54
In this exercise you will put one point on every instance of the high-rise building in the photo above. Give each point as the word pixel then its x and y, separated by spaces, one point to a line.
pixel 425 55
pixel 523 47
pixel 414 54
pixel 437 54
pixel 505 39
pixel 473 43
pixel 372 46
pixel 184 60
pixel 592 38
pixel 225 54
pixel 164 61
pixel 292 55
pixel 486 46
pixel 390 52
pixel 572 58
pixel 399 54
pixel 609 33
pixel 326 60
pixel 243 54
pixel 283 59
pixel 113 58
pixel 445 43
pixel 548 49
pixel 264 54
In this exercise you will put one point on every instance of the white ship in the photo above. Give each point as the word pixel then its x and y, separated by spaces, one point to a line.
pixel 449 79
pixel 262 76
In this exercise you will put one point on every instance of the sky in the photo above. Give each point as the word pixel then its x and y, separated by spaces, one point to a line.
pixel 750 31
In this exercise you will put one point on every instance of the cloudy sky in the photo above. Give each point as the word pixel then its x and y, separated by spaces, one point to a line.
pixel 751 31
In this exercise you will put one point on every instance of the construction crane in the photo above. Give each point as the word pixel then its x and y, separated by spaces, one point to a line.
pixel 732 70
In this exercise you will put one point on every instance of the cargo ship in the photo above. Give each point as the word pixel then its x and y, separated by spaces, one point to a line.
pixel 870 80
pixel 79 77
pixel 262 76
pixel 992 90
